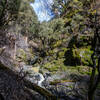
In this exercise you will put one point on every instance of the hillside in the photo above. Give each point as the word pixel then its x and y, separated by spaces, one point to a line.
pixel 54 60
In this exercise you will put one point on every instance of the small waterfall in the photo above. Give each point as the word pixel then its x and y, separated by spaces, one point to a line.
pixel 40 78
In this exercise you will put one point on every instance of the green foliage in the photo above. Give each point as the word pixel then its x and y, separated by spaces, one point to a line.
pixel 55 34
pixel 26 18
pixel 52 29
pixel 84 40
pixel 8 10
pixel 75 14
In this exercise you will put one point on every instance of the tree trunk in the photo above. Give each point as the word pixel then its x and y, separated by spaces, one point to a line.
pixel 91 91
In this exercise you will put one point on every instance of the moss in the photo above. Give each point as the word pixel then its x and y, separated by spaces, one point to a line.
pixel 84 40
pixel 35 69
pixel 55 65
pixel 57 44
pixel 84 70
pixel 55 82
pixel 61 53
pixel 71 58
pixel 78 70
pixel 51 67
pixel 54 68
pixel 21 55
pixel 52 52
pixel 84 54
pixel 31 52
pixel 79 56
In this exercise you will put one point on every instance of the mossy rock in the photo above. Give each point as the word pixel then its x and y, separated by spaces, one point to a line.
pixel 78 56
pixel 31 52
pixel 84 54
pixel 55 82
pixel 35 69
pixel 71 59
pixel 21 55
pixel 84 70
pixel 57 44
pixel 51 67
pixel 52 52
pixel 55 65
pixel 61 53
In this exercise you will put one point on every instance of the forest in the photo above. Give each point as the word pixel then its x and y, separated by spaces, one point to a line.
pixel 54 59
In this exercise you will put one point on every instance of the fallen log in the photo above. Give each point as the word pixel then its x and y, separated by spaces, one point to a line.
pixel 56 82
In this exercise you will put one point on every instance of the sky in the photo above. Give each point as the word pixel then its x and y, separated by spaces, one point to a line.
pixel 42 9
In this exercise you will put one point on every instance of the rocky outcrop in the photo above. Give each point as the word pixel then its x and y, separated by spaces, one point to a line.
pixel 16 87
pixel 15 81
